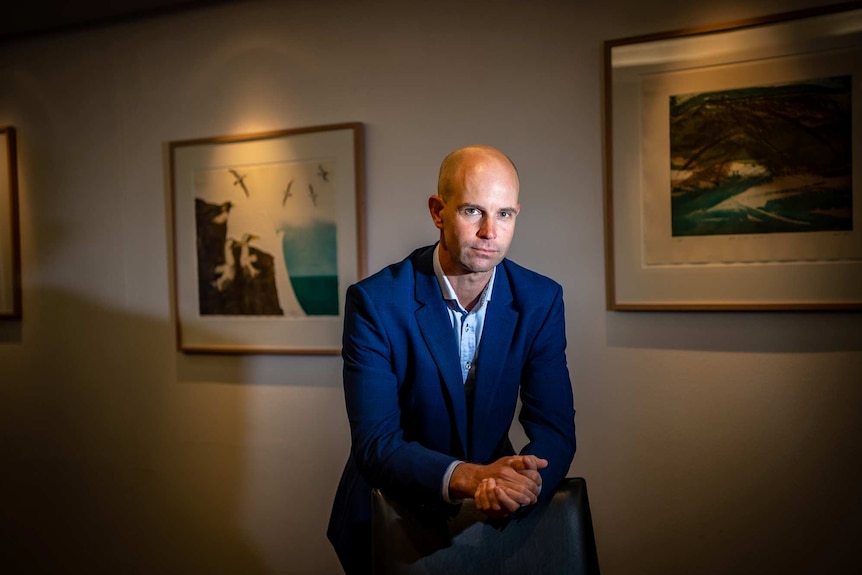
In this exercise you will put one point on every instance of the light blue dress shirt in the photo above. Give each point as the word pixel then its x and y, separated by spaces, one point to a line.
pixel 467 327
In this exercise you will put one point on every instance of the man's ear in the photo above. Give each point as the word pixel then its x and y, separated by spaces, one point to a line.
pixel 435 206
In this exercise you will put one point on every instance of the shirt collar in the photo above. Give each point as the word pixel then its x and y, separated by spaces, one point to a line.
pixel 446 287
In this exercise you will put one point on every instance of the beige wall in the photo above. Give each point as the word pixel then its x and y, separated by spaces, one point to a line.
pixel 711 443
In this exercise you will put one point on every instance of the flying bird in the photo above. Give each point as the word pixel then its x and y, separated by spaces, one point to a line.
pixel 322 173
pixel 240 180
pixel 287 193
pixel 313 194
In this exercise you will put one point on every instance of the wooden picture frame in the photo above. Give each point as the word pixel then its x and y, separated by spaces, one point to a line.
pixel 10 238
pixel 733 165
pixel 268 232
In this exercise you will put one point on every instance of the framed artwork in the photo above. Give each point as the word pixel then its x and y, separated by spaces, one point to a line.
pixel 733 165
pixel 268 232
pixel 10 249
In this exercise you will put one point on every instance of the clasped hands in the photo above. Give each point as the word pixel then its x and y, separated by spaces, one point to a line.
pixel 502 487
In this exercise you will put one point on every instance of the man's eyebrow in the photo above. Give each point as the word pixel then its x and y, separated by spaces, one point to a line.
pixel 479 207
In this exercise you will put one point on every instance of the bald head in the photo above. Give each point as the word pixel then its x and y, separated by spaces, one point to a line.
pixel 475 209
pixel 463 163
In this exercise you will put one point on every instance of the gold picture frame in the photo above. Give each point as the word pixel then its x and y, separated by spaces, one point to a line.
pixel 10 237
pixel 268 231
pixel 731 165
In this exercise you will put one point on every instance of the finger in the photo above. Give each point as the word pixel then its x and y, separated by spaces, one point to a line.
pixel 533 476
pixel 480 496
pixel 485 497
pixel 502 507
pixel 519 494
pixel 508 503
pixel 526 482
pixel 533 462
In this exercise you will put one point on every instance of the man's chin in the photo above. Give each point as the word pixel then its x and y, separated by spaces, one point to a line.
pixel 481 266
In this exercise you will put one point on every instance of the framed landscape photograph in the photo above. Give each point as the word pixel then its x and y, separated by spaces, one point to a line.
pixel 10 249
pixel 268 232
pixel 732 165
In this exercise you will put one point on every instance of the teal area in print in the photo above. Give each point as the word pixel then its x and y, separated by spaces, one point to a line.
pixel 318 295
pixel 311 256
pixel 769 159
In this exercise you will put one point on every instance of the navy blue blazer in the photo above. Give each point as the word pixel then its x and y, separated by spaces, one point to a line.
pixel 405 396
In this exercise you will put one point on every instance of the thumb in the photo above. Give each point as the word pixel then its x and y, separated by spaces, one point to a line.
pixel 537 462
pixel 532 462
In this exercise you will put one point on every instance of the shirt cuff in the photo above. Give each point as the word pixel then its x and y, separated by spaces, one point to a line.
pixel 447 477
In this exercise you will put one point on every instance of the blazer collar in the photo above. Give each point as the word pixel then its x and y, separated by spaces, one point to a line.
pixel 436 328
pixel 494 349
pixel 432 317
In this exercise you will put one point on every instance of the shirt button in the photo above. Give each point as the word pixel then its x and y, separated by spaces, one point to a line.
pixel 467 365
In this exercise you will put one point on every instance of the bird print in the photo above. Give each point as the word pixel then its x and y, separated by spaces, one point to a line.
pixel 223 213
pixel 225 272
pixel 322 173
pixel 246 259
pixel 287 193
pixel 313 194
pixel 240 181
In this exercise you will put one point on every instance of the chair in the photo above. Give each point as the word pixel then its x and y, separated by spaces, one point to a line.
pixel 550 538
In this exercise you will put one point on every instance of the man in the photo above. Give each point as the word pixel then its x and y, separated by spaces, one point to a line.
pixel 436 350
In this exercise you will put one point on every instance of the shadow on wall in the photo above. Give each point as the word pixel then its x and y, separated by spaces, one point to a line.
pixel 10 331
pixel 96 476
pixel 746 464
pixel 754 332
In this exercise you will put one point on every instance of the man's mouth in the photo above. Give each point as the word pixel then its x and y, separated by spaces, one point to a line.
pixel 485 251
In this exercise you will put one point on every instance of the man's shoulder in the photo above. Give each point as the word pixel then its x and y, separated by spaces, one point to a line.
pixel 525 278
pixel 402 272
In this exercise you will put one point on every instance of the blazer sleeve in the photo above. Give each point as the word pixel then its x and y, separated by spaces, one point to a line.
pixel 547 413
pixel 371 388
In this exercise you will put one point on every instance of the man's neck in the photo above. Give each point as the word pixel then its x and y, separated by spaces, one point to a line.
pixel 468 287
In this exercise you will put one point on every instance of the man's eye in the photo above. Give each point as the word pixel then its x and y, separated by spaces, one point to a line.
pixel 471 211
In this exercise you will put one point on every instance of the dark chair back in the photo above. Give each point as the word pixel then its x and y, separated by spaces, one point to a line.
pixel 550 538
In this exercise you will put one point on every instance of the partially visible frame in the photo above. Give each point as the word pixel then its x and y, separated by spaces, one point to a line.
pixel 10 247
pixel 268 231
pixel 715 160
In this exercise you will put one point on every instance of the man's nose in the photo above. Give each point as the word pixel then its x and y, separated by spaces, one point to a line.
pixel 488 229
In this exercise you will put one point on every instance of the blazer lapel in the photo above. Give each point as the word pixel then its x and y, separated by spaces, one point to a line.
pixel 497 333
pixel 436 329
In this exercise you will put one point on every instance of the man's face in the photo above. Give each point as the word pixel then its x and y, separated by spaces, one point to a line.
pixel 477 221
